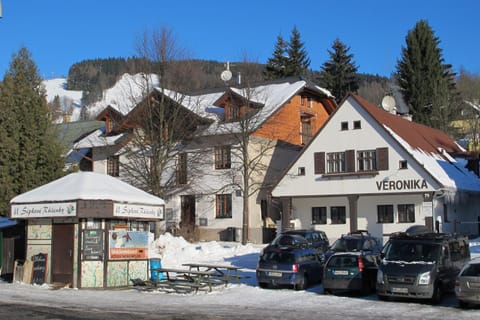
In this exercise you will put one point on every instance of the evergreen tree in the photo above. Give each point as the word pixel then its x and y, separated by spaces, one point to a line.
pixel 30 154
pixel 288 59
pixel 427 84
pixel 298 61
pixel 339 74
pixel 276 65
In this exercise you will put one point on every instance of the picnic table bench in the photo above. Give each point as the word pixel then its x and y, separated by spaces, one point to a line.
pixel 183 280
pixel 221 273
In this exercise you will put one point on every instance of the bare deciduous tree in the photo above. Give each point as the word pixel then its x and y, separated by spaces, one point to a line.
pixel 160 124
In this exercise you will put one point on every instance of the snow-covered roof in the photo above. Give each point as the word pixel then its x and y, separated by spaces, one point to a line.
pixel 271 96
pixel 98 139
pixel 87 186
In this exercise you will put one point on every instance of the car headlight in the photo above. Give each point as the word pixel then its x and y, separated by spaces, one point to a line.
pixel 380 277
pixel 424 278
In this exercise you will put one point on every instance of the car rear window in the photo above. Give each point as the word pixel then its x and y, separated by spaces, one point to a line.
pixel 274 256
pixel 343 261
pixel 472 270
pixel 286 240
pixel 347 245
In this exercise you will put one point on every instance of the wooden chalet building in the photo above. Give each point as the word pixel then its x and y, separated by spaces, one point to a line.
pixel 204 181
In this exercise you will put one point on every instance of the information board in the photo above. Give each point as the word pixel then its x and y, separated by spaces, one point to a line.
pixel 39 268
pixel 93 244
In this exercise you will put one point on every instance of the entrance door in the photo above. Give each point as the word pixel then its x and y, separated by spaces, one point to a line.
pixel 8 253
pixel 188 211
pixel 62 253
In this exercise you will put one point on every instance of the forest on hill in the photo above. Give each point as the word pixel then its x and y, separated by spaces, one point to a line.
pixel 95 75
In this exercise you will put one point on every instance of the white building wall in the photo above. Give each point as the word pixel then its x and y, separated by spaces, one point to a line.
pixel 333 139
pixel 367 214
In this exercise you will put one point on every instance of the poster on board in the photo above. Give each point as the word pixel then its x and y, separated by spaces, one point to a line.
pixel 127 245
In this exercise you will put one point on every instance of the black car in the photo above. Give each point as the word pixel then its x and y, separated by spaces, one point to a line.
pixel 315 239
pixel 357 241
pixel 421 264
pixel 298 267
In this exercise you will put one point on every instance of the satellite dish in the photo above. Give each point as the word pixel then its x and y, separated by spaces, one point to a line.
pixel 389 104
pixel 226 75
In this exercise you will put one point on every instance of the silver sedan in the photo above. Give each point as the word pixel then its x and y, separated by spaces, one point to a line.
pixel 467 285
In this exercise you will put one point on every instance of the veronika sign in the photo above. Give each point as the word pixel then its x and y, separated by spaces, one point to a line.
pixel 399 185
pixel 137 211
pixel 44 210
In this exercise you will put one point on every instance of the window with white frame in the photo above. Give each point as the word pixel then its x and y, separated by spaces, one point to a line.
pixel 366 160
pixel 336 162
pixel 113 166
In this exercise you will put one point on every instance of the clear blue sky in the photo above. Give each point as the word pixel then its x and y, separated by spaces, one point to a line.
pixel 60 33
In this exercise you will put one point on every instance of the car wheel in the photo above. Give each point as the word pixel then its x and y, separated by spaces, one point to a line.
pixel 462 304
pixel 263 285
pixel 382 297
pixel 365 290
pixel 303 283
pixel 327 291
pixel 437 294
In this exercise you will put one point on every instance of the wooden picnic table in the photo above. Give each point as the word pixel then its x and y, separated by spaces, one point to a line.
pixel 224 273
pixel 184 279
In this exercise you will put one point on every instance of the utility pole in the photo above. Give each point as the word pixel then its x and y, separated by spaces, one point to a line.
pixel 1 9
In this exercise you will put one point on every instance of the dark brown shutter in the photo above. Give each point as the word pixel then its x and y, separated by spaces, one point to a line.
pixel 350 161
pixel 319 162
pixel 382 159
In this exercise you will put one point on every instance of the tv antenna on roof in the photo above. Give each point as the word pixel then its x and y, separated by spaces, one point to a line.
pixel 389 104
pixel 226 74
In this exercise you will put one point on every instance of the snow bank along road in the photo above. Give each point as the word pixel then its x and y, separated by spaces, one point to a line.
pixel 234 302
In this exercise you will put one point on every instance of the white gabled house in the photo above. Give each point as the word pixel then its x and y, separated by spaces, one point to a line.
pixel 368 169
pixel 266 124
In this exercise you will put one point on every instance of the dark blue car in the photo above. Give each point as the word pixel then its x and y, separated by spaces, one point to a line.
pixel 297 267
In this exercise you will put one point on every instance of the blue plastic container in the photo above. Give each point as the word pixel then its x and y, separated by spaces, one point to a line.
pixel 154 274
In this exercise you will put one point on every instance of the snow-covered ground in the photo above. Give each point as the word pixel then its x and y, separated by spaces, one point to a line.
pixel 245 298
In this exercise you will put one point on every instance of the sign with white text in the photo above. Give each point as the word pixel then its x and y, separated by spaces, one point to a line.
pixel 137 211
pixel 44 210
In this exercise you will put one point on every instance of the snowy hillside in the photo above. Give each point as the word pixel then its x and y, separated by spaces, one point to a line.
pixel 70 100
pixel 125 94
pixel 122 96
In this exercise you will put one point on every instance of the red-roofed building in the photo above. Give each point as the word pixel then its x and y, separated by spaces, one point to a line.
pixel 369 169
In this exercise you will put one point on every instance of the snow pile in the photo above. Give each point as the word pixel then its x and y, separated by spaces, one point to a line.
pixel 174 251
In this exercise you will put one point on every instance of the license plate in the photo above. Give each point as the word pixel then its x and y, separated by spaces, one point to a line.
pixel 400 290
pixel 340 272
pixel 274 274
